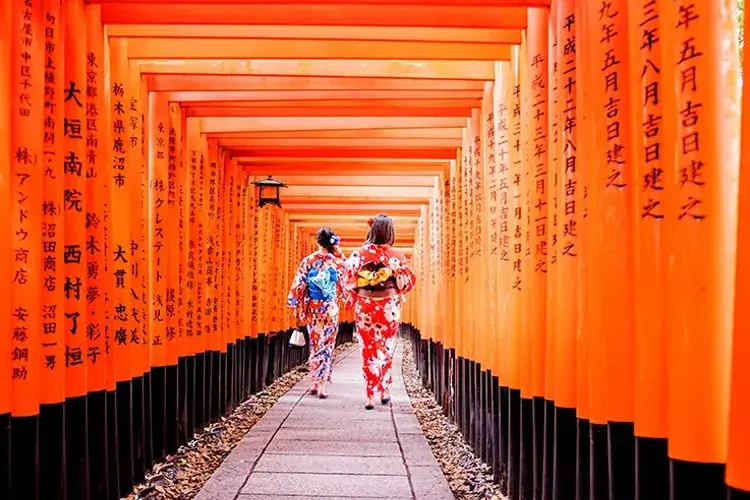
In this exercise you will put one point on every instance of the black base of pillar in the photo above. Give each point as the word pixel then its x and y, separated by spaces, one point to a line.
pixel 690 480
pixel 139 429
pixel 583 461
pixel 76 448
pixel 125 437
pixel 173 425
pixel 565 460
pixel 735 494
pixel 5 455
pixel 526 456
pixel 199 393
pixel 598 463
pixel 651 469
pixel 548 460
pixel 621 440
pixel 514 442
pixel 98 454
pixel 113 465
pixel 24 458
pixel 158 399
pixel 52 460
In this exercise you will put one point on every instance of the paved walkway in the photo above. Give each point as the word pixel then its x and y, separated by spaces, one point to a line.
pixel 308 448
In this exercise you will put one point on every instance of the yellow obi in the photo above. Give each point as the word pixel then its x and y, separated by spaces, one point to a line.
pixel 369 278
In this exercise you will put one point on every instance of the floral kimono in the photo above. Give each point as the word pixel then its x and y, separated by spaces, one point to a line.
pixel 314 294
pixel 377 267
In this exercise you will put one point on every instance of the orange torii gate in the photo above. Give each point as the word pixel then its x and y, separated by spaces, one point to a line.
pixel 562 174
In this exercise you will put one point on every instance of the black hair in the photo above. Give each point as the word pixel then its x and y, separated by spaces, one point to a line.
pixel 381 231
pixel 324 237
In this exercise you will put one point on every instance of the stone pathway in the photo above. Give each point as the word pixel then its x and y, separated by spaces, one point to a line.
pixel 308 448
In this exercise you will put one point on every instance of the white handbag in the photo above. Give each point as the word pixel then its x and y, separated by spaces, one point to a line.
pixel 298 339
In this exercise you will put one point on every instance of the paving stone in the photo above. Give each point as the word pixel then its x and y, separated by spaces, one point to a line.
pixel 379 425
pixel 325 485
pixel 429 483
pixel 377 433
pixel 226 482
pixel 254 496
pixel 327 464
pixel 346 448
pixel 416 450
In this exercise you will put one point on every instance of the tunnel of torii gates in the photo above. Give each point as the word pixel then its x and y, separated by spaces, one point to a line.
pixel 563 176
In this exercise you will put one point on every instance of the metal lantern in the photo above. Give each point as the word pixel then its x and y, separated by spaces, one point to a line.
pixel 268 191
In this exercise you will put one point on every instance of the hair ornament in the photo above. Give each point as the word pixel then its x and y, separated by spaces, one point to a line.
pixel 335 240
pixel 370 221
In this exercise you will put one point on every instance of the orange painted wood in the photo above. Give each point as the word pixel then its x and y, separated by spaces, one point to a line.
pixel 175 82
pixel 362 209
pixel 506 3
pixel 24 217
pixel 98 282
pixel 223 111
pixel 6 244
pixel 75 321
pixel 439 70
pixel 161 227
pixel 317 15
pixel 316 179
pixel 389 96
pixel 52 388
pixel 224 48
pixel 569 193
pixel 213 125
pixel 424 153
pixel 337 143
pixel 288 32
pixel 537 162
pixel 404 133
pixel 702 238
pixel 122 184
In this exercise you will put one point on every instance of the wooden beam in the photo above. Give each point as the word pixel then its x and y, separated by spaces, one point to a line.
pixel 241 142
pixel 405 153
pixel 226 48
pixel 470 35
pixel 342 103
pixel 496 3
pixel 340 168
pixel 213 125
pixel 380 192
pixel 430 16
pixel 270 97
pixel 325 179
pixel 375 202
pixel 267 112
pixel 441 70
pixel 243 83
pixel 333 219
pixel 365 209
pixel 396 133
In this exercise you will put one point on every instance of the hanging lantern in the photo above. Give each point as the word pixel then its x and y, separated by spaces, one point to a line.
pixel 268 191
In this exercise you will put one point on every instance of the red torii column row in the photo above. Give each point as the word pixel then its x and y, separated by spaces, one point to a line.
pixel 598 285
pixel 145 290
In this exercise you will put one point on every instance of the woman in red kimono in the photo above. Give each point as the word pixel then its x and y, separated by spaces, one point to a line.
pixel 378 276
pixel 314 294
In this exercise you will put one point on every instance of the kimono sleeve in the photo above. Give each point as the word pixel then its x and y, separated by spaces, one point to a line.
pixel 299 285
pixel 349 280
pixel 405 278
pixel 349 274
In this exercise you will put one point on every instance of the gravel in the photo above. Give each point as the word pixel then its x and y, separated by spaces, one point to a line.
pixel 182 475
pixel 468 477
